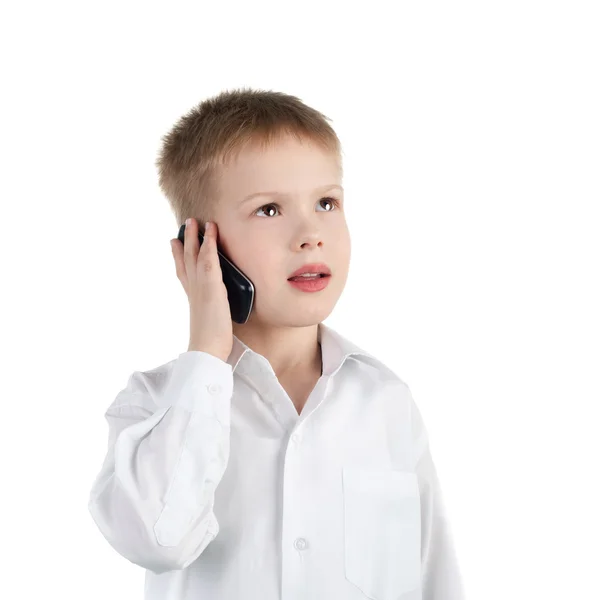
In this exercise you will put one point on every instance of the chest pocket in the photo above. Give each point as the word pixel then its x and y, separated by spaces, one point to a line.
pixel 382 531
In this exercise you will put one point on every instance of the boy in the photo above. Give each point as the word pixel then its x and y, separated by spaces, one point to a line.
pixel 274 459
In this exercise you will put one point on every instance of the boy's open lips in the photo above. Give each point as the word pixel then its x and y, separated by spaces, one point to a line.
pixel 310 284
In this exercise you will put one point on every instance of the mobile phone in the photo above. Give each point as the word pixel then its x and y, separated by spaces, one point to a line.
pixel 240 290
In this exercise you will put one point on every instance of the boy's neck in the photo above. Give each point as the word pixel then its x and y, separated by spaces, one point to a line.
pixel 291 352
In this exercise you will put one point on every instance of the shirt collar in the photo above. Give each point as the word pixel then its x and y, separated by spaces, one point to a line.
pixel 335 349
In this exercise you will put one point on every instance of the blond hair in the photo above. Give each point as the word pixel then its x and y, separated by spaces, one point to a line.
pixel 214 131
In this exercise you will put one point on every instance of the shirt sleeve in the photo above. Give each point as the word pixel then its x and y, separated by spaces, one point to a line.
pixel 441 577
pixel 168 447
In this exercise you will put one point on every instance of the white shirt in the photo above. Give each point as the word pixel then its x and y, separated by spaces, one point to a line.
pixel 215 485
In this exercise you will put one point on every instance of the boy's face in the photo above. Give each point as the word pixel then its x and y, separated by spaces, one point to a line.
pixel 268 238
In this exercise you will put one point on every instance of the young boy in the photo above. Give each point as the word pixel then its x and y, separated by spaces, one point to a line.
pixel 273 459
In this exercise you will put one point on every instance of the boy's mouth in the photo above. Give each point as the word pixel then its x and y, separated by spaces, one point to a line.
pixel 302 277
pixel 319 270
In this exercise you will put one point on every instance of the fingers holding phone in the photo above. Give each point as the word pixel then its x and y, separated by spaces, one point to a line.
pixel 199 271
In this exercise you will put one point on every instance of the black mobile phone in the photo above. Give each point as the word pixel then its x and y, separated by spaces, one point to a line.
pixel 240 290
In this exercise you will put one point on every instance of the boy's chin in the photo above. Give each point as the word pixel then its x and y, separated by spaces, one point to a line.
pixel 291 317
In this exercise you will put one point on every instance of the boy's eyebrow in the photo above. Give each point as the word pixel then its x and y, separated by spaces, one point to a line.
pixel 271 194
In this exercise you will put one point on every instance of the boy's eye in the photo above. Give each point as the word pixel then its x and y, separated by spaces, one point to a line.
pixel 331 201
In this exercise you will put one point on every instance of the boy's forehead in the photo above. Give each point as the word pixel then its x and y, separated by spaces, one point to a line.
pixel 279 154
pixel 276 174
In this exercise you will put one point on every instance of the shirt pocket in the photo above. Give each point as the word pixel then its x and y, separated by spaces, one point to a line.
pixel 382 531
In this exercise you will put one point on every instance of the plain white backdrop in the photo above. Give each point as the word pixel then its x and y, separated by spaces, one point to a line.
pixel 472 174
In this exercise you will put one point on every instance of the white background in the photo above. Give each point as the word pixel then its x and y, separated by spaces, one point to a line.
pixel 471 135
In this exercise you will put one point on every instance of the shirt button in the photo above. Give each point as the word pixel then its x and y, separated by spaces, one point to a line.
pixel 300 544
pixel 295 438
pixel 214 388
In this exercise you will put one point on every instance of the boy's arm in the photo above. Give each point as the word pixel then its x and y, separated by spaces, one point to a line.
pixel 441 577
pixel 167 451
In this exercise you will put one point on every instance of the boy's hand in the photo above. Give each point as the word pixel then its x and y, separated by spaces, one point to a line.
pixel 199 271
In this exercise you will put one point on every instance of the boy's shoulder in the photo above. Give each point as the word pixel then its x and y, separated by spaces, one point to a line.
pixel 337 350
